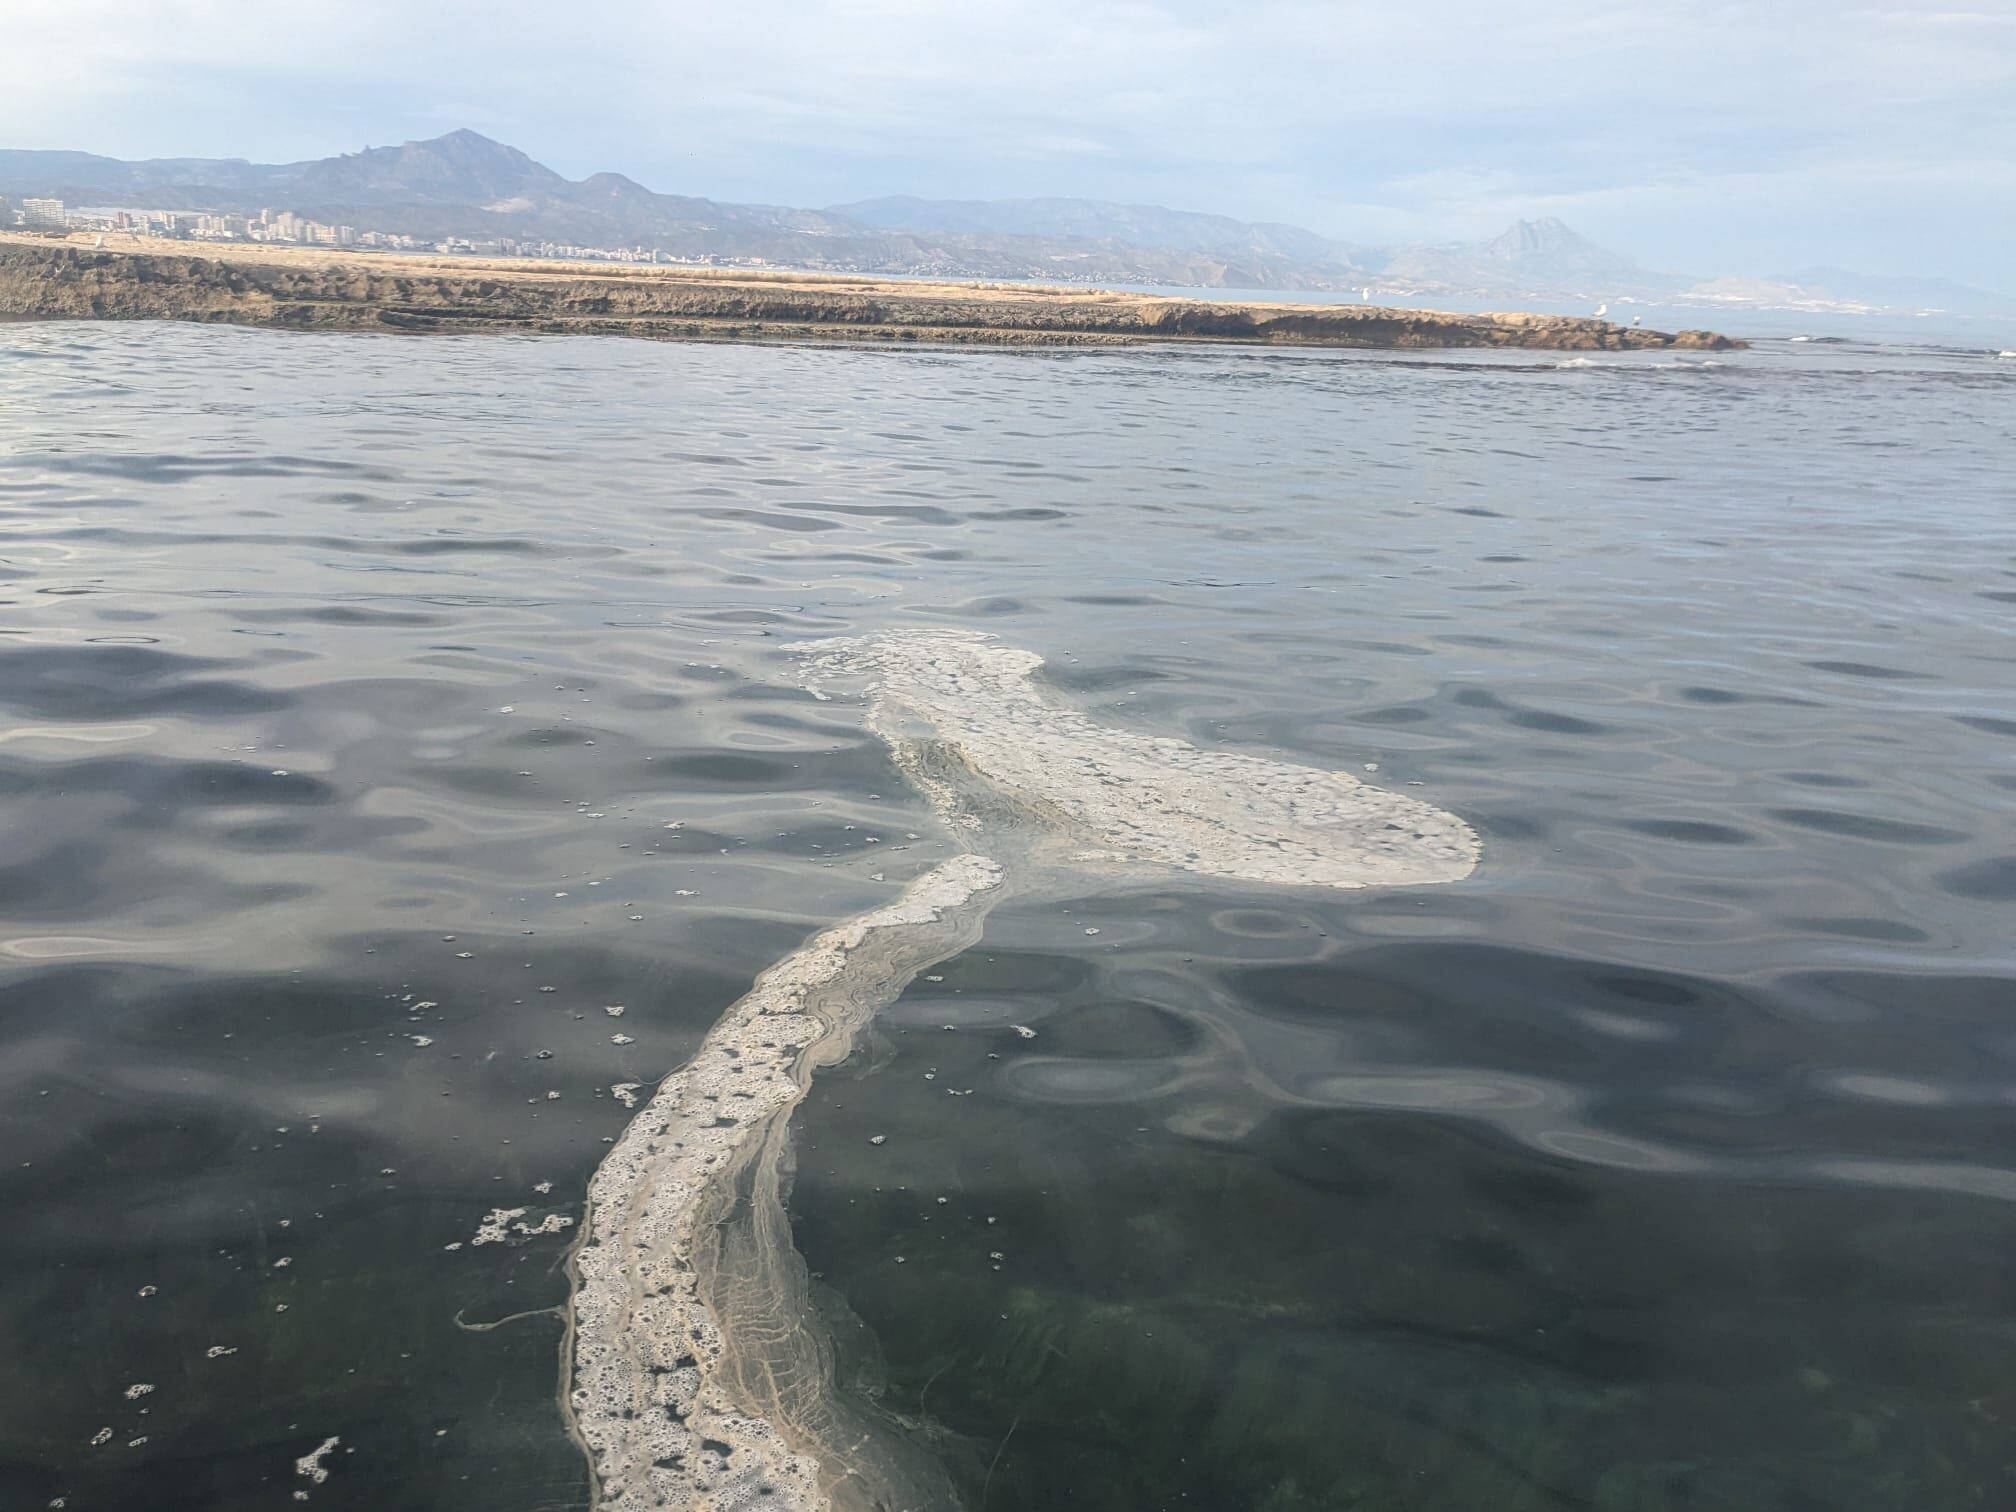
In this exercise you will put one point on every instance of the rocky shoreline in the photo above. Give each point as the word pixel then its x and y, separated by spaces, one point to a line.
pixel 315 289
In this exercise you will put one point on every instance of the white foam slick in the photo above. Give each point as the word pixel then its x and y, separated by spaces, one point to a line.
pixel 1123 796
pixel 699 1376
pixel 683 1363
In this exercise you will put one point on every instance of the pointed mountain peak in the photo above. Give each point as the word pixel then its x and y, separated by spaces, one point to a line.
pixel 1546 235
pixel 1549 248
pixel 462 167
pixel 466 146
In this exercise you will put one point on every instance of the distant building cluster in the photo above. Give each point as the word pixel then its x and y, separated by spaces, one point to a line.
pixel 286 228
pixel 508 246
pixel 197 225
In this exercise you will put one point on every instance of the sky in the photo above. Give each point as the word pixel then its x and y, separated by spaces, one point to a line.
pixel 1707 138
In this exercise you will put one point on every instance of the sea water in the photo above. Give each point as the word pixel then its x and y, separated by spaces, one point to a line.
pixel 406 757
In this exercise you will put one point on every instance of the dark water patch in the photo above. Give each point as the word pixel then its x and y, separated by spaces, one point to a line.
pixel 339 614
pixel 61 879
pixel 1987 724
pixel 1825 779
pixel 1556 724
pixel 276 835
pixel 123 682
pixel 1703 695
pixel 157 788
pixel 1093 679
pixel 1992 881
pixel 1474 908
pixel 1474 641
pixel 720 769
pixel 1693 831
pixel 169 467
pixel 1868 827
pixel 452 545
pixel 1887 931
pixel 1911 1010
pixel 1865 669
pixel 1403 715
pixel 1509 826
pixel 1123 1030
pixel 538 736
pixel 995 606
pixel 1478 698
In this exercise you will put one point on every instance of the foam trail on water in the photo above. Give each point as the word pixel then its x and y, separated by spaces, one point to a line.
pixel 697 1382
pixel 700 1378
pixel 1126 797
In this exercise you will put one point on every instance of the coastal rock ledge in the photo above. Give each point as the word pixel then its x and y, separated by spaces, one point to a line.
pixel 314 289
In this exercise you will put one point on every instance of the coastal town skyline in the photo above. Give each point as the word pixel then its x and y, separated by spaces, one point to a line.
pixel 286 228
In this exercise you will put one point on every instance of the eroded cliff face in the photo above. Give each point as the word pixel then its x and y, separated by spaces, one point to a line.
pixel 330 291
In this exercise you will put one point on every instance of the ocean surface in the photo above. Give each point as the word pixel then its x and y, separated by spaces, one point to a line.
pixel 378 713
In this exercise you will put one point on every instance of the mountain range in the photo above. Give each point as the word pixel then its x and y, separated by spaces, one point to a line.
pixel 464 185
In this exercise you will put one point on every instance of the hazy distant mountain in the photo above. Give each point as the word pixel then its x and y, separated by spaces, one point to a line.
pixel 1100 220
pixel 1531 255
pixel 1546 248
pixel 80 178
pixel 1900 293
pixel 466 185
pixel 1542 257
pixel 461 184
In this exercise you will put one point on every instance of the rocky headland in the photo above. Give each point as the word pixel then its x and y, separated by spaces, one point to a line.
pixel 135 278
